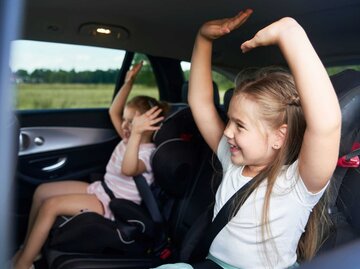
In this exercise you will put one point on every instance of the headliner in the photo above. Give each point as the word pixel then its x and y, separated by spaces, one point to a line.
pixel 168 28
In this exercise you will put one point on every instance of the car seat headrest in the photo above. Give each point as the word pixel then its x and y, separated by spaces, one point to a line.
pixel 347 87
pixel 180 124
pixel 174 163
pixel 185 89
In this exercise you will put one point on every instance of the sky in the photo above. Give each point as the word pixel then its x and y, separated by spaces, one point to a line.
pixel 31 55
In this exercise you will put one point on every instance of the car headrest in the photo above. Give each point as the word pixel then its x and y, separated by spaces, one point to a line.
pixel 347 87
pixel 174 164
pixel 185 89
pixel 176 159
pixel 180 124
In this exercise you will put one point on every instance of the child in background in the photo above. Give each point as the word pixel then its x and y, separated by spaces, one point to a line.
pixel 283 132
pixel 135 122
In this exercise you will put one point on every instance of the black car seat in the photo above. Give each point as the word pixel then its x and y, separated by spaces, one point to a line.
pixel 182 168
pixel 345 183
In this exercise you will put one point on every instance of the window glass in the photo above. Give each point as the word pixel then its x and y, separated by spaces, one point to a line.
pixel 145 83
pixel 54 76
pixel 337 69
pixel 222 82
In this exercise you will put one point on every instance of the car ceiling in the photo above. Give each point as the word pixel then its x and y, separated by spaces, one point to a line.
pixel 168 28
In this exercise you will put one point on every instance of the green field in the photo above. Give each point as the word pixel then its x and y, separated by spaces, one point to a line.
pixel 50 96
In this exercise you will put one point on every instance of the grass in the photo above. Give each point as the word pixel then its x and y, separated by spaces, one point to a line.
pixel 50 96
pixel 58 96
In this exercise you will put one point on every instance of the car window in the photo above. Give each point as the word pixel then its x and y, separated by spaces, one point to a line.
pixel 337 69
pixel 145 83
pixel 56 76
pixel 222 81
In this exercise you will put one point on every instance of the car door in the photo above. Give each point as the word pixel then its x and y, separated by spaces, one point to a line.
pixel 61 143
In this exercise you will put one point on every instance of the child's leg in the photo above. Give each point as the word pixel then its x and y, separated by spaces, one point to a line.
pixel 47 190
pixel 55 206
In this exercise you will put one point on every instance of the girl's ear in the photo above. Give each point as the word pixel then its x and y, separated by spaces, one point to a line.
pixel 280 135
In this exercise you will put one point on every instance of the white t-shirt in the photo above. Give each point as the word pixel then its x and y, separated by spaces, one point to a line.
pixel 122 186
pixel 241 243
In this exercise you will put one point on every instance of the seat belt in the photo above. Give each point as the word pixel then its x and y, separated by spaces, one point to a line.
pixel 221 219
pixel 146 195
pixel 148 198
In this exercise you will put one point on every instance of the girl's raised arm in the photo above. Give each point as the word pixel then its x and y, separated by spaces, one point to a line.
pixel 142 124
pixel 319 151
pixel 117 107
pixel 200 97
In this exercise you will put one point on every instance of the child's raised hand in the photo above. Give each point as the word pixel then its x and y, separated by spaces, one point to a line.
pixel 146 121
pixel 217 28
pixel 132 73
pixel 270 35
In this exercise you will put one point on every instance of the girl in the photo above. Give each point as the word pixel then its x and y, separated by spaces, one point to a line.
pixel 135 122
pixel 283 132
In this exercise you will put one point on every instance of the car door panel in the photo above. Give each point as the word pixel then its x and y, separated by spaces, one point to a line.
pixel 60 144
pixel 54 145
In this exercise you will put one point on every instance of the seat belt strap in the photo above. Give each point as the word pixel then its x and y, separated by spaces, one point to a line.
pixel 107 190
pixel 146 195
pixel 221 219
pixel 148 198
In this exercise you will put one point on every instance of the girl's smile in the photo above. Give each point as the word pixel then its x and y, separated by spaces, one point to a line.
pixel 233 149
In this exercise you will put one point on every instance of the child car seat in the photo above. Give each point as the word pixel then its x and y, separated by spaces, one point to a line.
pixel 177 162
pixel 345 183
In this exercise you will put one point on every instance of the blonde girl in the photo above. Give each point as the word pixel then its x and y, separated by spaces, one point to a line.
pixel 283 132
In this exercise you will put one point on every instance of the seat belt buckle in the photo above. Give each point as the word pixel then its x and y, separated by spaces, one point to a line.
pixel 351 160
pixel 165 253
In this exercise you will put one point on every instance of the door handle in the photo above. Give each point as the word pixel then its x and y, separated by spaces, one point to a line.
pixel 60 163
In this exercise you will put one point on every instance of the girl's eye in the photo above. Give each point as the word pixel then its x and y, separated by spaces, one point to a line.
pixel 239 126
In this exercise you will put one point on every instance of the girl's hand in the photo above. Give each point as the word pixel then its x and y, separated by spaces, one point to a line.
pixel 271 35
pixel 218 28
pixel 132 73
pixel 146 121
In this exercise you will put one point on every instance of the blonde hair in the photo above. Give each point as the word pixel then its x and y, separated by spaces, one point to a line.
pixel 143 103
pixel 273 89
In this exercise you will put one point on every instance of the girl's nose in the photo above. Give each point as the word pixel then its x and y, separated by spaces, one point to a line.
pixel 228 131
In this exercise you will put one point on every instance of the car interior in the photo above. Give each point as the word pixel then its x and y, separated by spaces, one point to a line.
pixel 76 143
